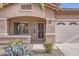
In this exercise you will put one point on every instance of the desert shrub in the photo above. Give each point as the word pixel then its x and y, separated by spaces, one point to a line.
pixel 48 47
pixel 16 48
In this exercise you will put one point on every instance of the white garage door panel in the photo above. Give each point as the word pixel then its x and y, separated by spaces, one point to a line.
pixel 67 33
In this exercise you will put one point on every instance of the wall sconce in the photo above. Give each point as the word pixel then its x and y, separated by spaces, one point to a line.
pixel 50 21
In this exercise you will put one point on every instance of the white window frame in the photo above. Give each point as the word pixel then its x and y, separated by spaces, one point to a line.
pixel 26 9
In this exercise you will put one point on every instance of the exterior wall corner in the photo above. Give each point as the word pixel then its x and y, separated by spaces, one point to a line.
pixel 50 30
pixel 3 26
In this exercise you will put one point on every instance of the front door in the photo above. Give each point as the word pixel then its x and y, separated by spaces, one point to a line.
pixel 38 32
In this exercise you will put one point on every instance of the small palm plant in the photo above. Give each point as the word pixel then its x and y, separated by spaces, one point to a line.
pixel 16 48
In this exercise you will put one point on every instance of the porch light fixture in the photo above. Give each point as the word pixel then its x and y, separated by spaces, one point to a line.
pixel 50 21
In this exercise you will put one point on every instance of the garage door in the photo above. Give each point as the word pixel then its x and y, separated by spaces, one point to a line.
pixel 67 32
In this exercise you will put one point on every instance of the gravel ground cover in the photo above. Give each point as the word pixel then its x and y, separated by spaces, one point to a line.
pixel 38 52
pixel 56 52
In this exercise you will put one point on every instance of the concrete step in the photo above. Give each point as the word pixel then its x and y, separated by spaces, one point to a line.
pixel 37 41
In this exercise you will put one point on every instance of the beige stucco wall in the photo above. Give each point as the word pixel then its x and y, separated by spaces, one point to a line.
pixel 67 15
pixel 49 13
pixel 13 10
pixel 3 26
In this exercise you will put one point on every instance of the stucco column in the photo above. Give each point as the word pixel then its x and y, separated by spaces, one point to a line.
pixel 50 30
pixel 3 26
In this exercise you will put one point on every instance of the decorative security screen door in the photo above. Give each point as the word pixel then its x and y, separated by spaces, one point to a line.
pixel 40 31
pixel 38 35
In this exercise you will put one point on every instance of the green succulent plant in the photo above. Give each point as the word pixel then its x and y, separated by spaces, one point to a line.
pixel 17 48
pixel 48 47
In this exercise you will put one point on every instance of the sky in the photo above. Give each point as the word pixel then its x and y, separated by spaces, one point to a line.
pixel 69 5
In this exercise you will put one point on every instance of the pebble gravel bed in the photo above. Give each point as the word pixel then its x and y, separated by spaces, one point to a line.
pixel 43 53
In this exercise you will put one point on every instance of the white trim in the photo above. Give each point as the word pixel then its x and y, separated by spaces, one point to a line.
pixel 50 34
pixel 15 36
pixel 50 18
pixel 25 10
pixel 66 20
pixel 2 19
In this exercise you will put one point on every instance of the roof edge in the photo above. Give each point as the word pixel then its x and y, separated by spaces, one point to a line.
pixel 69 9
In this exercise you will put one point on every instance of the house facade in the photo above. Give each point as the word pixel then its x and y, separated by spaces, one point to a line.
pixel 33 24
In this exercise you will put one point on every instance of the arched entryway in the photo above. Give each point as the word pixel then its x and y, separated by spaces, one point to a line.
pixel 28 25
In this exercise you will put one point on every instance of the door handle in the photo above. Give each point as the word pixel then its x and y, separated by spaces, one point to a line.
pixel 34 31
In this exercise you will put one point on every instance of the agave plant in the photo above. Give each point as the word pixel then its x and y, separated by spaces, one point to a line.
pixel 18 49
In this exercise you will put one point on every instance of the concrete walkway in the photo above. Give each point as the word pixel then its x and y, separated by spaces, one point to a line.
pixel 69 49
pixel 39 47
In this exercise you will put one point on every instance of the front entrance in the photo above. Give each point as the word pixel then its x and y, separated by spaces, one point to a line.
pixel 38 32
pixel 28 26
